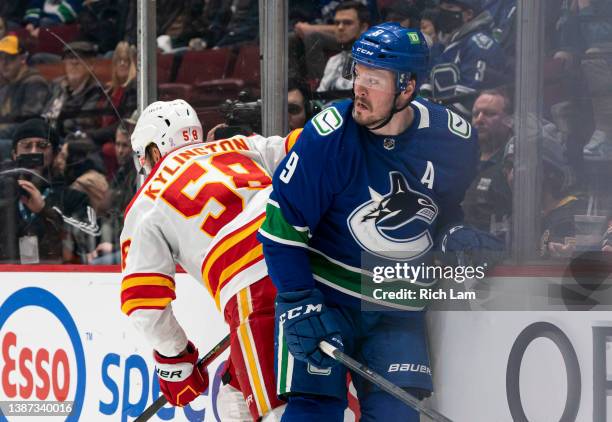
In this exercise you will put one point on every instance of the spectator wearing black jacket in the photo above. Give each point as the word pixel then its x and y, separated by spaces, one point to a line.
pixel 74 97
pixel 26 91
pixel 43 221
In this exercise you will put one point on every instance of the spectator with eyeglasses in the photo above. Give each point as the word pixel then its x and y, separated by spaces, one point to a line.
pixel 43 221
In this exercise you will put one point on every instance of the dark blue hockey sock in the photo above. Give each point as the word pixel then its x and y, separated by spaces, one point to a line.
pixel 308 408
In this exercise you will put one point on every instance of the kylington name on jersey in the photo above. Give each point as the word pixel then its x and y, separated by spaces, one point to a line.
pixel 422 294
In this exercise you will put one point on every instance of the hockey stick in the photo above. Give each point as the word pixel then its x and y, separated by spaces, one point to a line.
pixel 377 379
pixel 205 361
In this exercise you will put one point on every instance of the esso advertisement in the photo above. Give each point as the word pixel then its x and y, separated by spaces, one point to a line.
pixel 42 354
pixel 64 339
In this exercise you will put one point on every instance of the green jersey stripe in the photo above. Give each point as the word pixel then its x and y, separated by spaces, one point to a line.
pixel 276 225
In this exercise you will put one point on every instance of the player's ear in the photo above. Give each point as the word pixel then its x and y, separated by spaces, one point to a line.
pixel 409 91
pixel 152 154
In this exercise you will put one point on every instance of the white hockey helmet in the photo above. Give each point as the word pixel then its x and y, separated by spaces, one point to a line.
pixel 167 124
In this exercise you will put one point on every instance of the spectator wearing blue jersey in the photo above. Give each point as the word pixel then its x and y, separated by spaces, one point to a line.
pixel 471 60
pixel 586 37
pixel 42 13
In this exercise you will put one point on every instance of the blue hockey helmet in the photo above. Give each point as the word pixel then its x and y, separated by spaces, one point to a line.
pixel 392 47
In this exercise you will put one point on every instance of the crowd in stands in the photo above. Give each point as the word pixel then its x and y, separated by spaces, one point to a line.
pixel 68 94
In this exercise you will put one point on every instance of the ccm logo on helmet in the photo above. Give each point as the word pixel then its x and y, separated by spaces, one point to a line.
pixel 296 312
pixel 364 51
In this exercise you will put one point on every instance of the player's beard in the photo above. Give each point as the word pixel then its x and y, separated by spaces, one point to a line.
pixel 367 117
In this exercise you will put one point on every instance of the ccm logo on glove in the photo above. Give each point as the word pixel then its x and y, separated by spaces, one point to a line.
pixel 296 312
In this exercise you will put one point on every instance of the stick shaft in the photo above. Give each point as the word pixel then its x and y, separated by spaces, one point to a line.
pixel 381 382
pixel 204 361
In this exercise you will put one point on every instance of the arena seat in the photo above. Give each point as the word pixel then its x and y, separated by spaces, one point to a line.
pixel 173 91
pixel 247 66
pixel 196 67
pixel 209 117
pixel 245 74
pixel 48 43
pixel 205 65
pixel 102 68
pixel 165 62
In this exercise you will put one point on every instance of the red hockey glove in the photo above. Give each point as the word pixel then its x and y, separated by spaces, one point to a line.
pixel 180 378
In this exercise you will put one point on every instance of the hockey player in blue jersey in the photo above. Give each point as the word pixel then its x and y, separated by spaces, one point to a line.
pixel 471 59
pixel 380 175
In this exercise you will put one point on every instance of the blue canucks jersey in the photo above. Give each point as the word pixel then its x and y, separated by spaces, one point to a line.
pixel 471 60
pixel 343 191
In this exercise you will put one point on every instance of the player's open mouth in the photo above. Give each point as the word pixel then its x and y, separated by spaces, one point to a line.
pixel 361 106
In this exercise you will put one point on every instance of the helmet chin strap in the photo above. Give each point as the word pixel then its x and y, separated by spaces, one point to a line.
pixel 394 110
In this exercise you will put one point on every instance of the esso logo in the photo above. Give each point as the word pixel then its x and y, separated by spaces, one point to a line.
pixel 52 370
pixel 41 354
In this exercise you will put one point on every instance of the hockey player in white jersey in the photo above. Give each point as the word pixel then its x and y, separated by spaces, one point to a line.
pixel 201 207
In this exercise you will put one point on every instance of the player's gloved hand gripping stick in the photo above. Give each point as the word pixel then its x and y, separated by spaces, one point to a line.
pixel 202 363
pixel 181 378
pixel 378 380
pixel 305 321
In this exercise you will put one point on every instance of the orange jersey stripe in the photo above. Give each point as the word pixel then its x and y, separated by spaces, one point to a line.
pixel 291 139
pixel 147 280
pixel 235 252
pixel 135 304
pixel 224 245
pixel 239 256
pixel 146 287
pixel 251 258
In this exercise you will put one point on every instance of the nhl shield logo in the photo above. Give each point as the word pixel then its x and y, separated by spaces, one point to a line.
pixel 389 143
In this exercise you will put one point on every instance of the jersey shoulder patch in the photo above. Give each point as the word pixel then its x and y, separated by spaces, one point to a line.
pixel 327 121
pixel 439 121
pixel 458 125
pixel 482 40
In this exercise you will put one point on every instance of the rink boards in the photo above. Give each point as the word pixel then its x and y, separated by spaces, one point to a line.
pixel 63 337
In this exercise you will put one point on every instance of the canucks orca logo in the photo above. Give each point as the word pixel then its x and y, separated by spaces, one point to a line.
pixel 394 225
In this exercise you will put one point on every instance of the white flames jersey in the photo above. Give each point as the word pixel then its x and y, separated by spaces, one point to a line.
pixel 200 207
